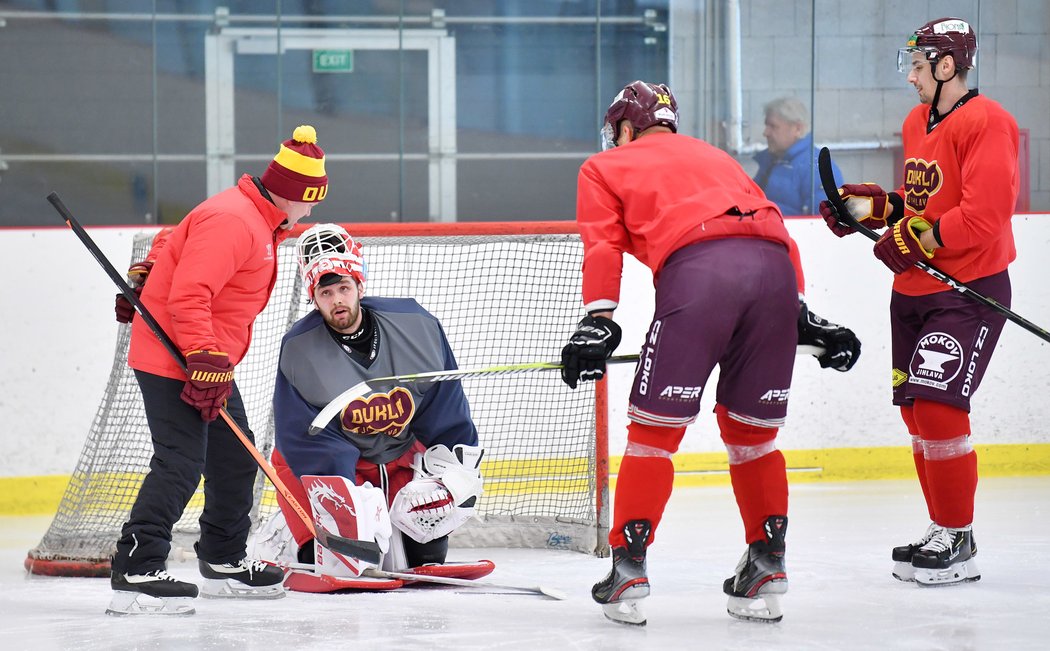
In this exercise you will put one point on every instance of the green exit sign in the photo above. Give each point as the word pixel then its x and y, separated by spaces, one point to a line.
pixel 333 60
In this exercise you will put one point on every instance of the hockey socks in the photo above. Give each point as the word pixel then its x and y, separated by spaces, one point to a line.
pixel 645 479
pixel 757 470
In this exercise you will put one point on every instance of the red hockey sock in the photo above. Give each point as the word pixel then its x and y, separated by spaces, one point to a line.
pixel 918 458
pixel 646 478
pixel 760 485
pixel 952 476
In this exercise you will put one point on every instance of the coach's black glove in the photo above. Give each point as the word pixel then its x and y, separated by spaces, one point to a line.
pixel 594 341
pixel 841 346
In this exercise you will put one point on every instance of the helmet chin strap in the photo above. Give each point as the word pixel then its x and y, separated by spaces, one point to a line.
pixel 934 113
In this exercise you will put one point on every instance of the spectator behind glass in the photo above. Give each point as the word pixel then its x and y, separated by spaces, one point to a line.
pixel 787 169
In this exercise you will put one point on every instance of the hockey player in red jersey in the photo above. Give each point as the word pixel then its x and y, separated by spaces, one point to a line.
pixel 954 206
pixel 728 282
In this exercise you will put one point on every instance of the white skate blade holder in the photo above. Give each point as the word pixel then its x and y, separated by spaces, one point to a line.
pixel 763 608
pixel 628 611
pixel 137 603
pixel 904 572
pixel 234 589
pixel 964 572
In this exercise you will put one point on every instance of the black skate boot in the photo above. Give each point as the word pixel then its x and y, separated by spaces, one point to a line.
pixel 754 591
pixel 155 592
pixel 245 579
pixel 627 583
pixel 902 567
pixel 948 558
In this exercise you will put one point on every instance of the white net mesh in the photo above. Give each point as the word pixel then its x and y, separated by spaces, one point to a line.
pixel 501 299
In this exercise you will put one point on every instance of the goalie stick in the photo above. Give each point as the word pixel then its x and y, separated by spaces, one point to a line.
pixel 340 402
pixel 827 181
pixel 551 593
pixel 364 550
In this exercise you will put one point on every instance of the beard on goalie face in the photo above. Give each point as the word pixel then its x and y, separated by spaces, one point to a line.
pixel 340 305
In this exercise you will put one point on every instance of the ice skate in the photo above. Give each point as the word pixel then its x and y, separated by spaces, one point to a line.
pixel 902 567
pixel 246 579
pixel 153 593
pixel 754 591
pixel 627 583
pixel 947 559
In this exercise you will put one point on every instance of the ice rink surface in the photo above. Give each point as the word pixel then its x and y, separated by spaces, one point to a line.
pixel 841 593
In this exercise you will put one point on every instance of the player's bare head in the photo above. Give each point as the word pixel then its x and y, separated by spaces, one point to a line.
pixel 939 38
pixel 643 105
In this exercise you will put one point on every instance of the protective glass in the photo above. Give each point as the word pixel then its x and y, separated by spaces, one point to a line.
pixel 905 61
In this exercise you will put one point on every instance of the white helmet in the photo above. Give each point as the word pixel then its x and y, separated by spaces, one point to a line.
pixel 328 249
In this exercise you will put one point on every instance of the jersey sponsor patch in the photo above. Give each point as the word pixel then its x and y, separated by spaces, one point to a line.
pixel 936 361
pixel 898 377
pixel 775 396
pixel 380 413
pixel 684 394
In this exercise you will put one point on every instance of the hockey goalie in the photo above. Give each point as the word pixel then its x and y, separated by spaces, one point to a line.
pixel 399 466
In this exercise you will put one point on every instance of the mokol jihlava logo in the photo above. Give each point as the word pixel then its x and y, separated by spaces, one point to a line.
pixel 937 360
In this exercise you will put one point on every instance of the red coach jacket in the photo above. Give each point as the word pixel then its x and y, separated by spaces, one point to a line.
pixel 212 275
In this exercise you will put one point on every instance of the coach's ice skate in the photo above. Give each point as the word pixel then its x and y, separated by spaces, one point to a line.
pixel 902 567
pixel 627 583
pixel 155 592
pixel 947 558
pixel 754 591
pixel 245 579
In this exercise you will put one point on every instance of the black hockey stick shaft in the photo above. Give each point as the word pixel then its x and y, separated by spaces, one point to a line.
pixel 827 181
pixel 364 550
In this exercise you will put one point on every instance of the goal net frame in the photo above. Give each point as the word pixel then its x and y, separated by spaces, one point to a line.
pixel 546 468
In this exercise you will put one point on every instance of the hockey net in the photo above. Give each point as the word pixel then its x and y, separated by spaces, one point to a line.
pixel 504 293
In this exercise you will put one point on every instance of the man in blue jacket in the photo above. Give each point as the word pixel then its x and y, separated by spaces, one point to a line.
pixel 787 169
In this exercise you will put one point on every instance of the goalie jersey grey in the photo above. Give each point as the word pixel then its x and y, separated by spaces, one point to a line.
pixel 378 427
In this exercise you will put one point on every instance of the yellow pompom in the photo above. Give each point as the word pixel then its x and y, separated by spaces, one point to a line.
pixel 305 133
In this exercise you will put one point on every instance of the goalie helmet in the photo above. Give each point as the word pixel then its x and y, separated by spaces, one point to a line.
pixel 642 104
pixel 939 37
pixel 325 249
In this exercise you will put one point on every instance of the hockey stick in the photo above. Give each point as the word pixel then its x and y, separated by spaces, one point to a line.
pixel 361 388
pixel 364 550
pixel 827 181
pixel 553 593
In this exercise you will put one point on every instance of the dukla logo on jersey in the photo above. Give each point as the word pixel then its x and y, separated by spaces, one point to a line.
pixel 380 413
pixel 937 360
pixel 922 180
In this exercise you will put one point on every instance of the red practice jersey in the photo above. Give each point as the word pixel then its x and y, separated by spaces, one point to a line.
pixel 963 174
pixel 657 194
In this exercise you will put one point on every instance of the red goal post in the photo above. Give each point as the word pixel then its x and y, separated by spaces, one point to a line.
pixel 505 293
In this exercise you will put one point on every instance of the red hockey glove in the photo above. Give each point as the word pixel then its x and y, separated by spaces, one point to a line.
pixel 583 358
pixel 210 382
pixel 899 247
pixel 868 203
pixel 137 274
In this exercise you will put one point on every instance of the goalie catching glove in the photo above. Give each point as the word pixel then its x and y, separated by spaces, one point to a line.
pixel 583 358
pixel 868 203
pixel 841 346
pixel 443 495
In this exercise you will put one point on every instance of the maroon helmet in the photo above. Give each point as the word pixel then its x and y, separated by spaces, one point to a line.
pixel 939 37
pixel 643 105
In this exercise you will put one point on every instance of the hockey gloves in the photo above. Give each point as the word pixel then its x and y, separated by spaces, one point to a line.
pixel 841 346
pixel 210 382
pixel 899 248
pixel 136 279
pixel 583 358
pixel 868 203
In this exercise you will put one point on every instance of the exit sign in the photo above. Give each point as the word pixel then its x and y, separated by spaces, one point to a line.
pixel 333 60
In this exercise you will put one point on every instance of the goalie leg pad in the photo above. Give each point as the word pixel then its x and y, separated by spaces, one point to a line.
pixel 355 512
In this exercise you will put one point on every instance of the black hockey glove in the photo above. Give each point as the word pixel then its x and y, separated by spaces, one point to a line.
pixel 594 341
pixel 841 346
